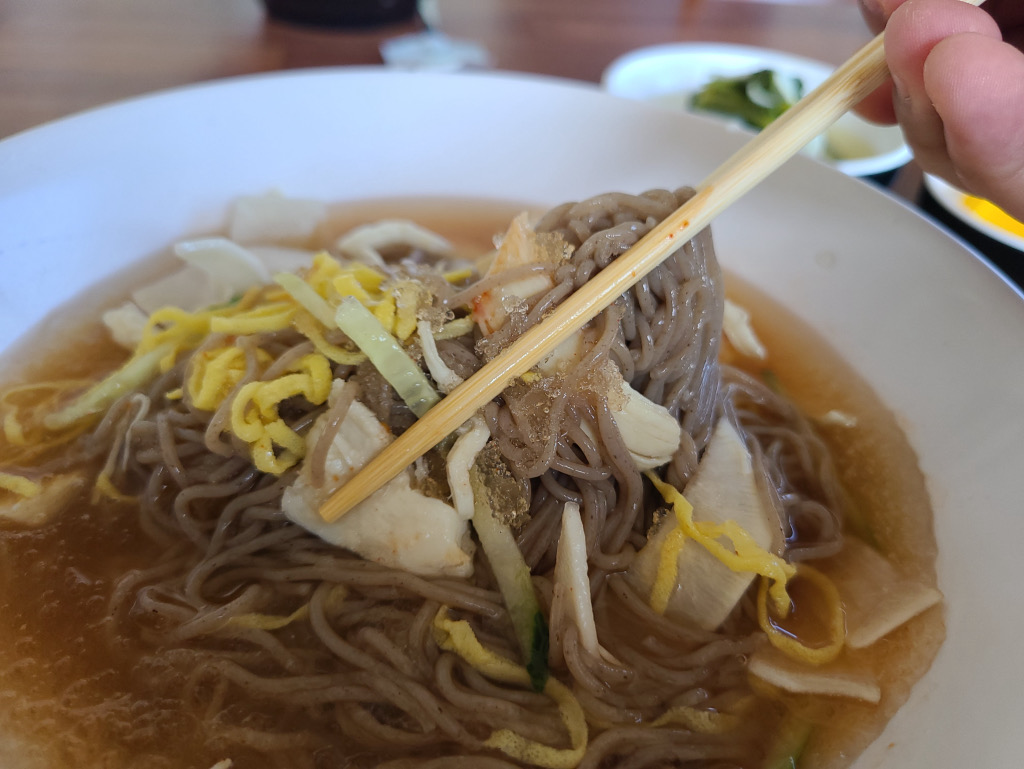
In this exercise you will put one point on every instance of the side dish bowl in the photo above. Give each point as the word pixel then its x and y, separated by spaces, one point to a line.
pixel 670 75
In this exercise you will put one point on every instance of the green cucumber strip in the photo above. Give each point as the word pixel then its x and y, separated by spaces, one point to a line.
pixel 304 294
pixel 387 355
pixel 790 743
pixel 514 583
pixel 131 376
pixel 537 663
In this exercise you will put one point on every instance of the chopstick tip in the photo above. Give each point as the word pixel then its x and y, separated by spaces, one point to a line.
pixel 340 502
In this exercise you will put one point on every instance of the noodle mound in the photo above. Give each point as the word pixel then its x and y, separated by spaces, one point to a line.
pixel 279 648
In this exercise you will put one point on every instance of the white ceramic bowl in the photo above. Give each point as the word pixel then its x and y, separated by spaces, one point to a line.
pixel 671 74
pixel 937 333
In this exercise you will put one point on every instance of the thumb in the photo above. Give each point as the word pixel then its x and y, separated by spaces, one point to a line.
pixel 977 88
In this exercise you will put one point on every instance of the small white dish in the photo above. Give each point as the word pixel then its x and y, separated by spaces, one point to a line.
pixel 957 203
pixel 671 74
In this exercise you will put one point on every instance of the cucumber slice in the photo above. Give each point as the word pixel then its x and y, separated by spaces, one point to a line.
pixel 790 743
pixel 514 583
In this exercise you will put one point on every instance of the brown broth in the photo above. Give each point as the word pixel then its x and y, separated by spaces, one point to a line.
pixel 890 508
pixel 55 658
pixel 58 668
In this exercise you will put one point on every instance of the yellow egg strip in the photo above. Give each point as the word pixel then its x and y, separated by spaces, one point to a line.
pixel 275 316
pixel 170 331
pixel 266 459
pixel 13 431
pixel 696 720
pixel 348 285
pixel 457 636
pixel 409 296
pixel 246 422
pixel 323 271
pixel 307 325
pixel 329 282
pixel 104 487
pixel 455 328
pixel 268 621
pixel 38 445
pixel 310 377
pixel 368 278
pixel 333 604
pixel 22 422
pixel 172 325
pixel 185 330
pixel 328 276
pixel 20 485
pixel 289 440
pixel 836 623
pixel 215 373
pixel 384 311
pixel 274 446
pixel 668 567
pixel 457 276
pixel 744 556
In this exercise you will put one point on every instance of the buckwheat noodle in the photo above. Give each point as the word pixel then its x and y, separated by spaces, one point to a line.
pixel 361 681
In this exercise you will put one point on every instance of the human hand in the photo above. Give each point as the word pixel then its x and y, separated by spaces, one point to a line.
pixel 958 90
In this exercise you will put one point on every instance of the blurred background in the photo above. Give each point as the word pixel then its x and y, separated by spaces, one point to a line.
pixel 61 56
pixel 58 57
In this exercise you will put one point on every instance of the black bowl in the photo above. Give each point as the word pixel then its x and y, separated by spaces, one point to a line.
pixel 341 13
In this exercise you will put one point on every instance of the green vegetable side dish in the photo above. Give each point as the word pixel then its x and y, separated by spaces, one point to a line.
pixel 756 99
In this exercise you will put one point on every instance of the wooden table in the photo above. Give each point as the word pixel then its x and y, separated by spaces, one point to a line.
pixel 58 57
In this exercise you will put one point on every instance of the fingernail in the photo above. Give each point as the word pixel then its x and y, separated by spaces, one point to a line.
pixel 872 7
pixel 873 13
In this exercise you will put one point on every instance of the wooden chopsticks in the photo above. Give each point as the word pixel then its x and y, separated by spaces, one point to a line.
pixel 808 118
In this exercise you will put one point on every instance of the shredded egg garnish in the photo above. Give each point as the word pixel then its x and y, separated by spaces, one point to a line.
pixel 744 555
pixel 697 720
pixel 21 406
pixel 273 316
pixel 105 488
pixel 20 485
pixel 215 373
pixel 457 636
pixel 177 330
pixel 257 621
pixel 255 419
pixel 835 623
pixel 305 302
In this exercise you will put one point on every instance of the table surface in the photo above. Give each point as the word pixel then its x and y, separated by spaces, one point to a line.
pixel 58 57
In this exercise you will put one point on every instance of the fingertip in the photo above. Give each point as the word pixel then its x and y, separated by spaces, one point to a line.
pixel 977 87
pixel 917 26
